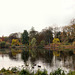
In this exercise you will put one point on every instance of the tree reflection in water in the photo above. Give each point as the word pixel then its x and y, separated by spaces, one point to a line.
pixel 25 55
pixel 12 55
pixel 62 58
pixel 46 59
pixel 37 54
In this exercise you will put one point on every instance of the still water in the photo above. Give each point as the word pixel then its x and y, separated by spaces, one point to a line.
pixel 39 59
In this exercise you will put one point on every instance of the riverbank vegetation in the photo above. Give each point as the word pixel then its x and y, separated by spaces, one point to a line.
pixel 54 38
pixel 15 71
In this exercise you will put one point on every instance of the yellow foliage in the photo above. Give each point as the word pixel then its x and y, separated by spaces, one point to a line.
pixel 15 42
pixel 56 40
pixel 56 53
pixel 74 43
pixel 0 40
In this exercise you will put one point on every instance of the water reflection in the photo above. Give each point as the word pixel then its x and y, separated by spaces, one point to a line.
pixel 51 60
pixel 25 55
pixel 39 59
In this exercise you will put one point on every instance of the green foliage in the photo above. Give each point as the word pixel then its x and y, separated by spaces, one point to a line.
pixel 58 72
pixel 3 70
pixel 25 38
pixel 56 40
pixel 24 72
pixel 32 34
pixel 25 55
pixel 48 34
pixel 2 44
pixel 71 73
pixel 44 72
pixel 14 69
pixel 41 72
pixel 66 43
pixel 13 46
pixel 7 45
pixel 33 42
pixel 42 43
pixel 38 72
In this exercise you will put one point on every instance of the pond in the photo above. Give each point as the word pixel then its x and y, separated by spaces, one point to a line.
pixel 38 59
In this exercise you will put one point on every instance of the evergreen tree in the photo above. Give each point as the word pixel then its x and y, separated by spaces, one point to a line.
pixel 25 38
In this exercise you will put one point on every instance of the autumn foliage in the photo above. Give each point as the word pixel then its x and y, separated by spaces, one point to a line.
pixel 15 42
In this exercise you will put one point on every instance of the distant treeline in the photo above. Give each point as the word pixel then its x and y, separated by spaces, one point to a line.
pixel 34 38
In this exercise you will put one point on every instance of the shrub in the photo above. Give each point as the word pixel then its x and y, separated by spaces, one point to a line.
pixel 33 42
pixel 42 43
pixel 44 72
pixel 13 46
pixel 3 70
pixel 2 44
pixel 41 72
pixel 7 45
pixel 58 72
pixel 14 69
pixel 15 42
pixel 56 40
pixel 38 72
pixel 24 72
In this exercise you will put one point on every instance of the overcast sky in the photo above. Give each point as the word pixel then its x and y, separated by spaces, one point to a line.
pixel 19 15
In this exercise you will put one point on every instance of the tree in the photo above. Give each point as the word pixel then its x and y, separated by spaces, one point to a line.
pixel 55 31
pixel 40 37
pixel 2 44
pixel 15 42
pixel 42 43
pixel 58 35
pixel 48 34
pixel 56 40
pixel 68 34
pixel 32 34
pixel 25 38
pixel 45 35
pixel 33 42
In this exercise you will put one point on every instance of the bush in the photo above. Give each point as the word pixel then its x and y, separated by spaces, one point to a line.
pixel 24 72
pixel 71 73
pixel 58 72
pixel 7 45
pixel 41 73
pixel 15 42
pixel 44 72
pixel 2 44
pixel 33 42
pixel 66 43
pixel 3 70
pixel 56 40
pixel 14 69
pixel 42 44
pixel 13 46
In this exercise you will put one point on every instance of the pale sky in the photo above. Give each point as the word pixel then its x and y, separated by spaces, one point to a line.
pixel 19 15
